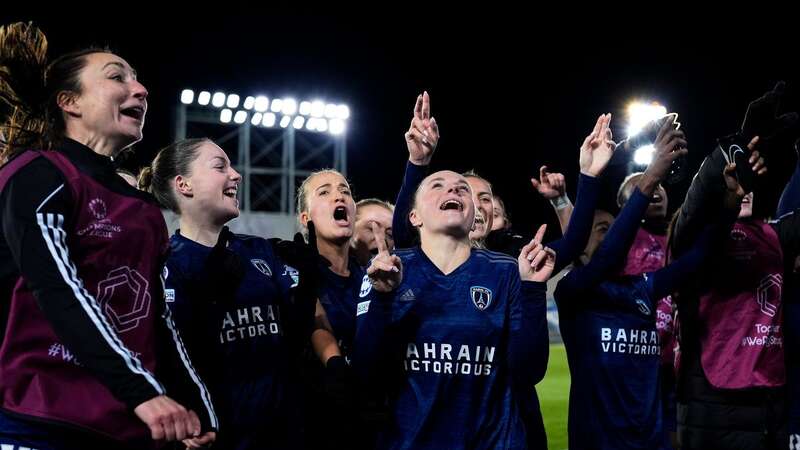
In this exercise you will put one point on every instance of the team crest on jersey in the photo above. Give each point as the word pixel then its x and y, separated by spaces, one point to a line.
pixel 481 297
pixel 262 266
pixel 643 308
pixel 366 287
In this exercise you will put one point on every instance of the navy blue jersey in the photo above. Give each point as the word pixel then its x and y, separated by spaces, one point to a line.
pixel 608 324
pixel 456 349
pixel 790 198
pixel 335 415
pixel 339 295
pixel 788 204
pixel 237 342
pixel 791 314
pixel 614 357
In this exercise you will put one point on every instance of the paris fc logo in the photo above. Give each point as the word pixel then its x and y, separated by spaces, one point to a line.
pixel 481 297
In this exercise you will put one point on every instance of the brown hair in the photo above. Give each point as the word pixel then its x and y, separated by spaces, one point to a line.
pixel 29 87
pixel 170 162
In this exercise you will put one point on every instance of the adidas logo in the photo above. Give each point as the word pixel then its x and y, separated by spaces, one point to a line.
pixel 408 296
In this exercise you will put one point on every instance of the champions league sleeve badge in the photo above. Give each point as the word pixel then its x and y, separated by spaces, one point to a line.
pixel 293 273
pixel 366 287
pixel 481 297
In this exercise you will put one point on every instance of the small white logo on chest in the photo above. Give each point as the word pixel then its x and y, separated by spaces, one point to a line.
pixel 481 297
pixel 262 266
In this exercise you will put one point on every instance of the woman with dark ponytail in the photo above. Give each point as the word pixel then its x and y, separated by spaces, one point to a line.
pixel 90 358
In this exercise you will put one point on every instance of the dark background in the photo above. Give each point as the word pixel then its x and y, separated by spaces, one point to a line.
pixel 508 94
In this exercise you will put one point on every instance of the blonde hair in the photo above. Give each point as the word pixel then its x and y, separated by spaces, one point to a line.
pixel 624 193
pixel 302 194
pixel 374 202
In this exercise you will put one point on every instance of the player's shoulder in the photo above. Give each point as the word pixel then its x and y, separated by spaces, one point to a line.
pixel 494 258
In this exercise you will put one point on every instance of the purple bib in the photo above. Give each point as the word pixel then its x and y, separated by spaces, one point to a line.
pixel 741 331
pixel 665 325
pixel 117 244
pixel 648 253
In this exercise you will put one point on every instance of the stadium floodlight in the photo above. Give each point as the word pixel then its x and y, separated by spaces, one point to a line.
pixel 249 102
pixel 218 100
pixel 336 126
pixel 187 96
pixel 261 103
pixel 331 110
pixel 317 109
pixel 643 155
pixel 204 98
pixel 344 112
pixel 642 113
pixel 306 115
pixel 289 106
pixel 277 105
pixel 305 108
pixel 233 101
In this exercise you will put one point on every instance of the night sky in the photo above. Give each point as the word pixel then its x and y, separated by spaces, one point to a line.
pixel 508 96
